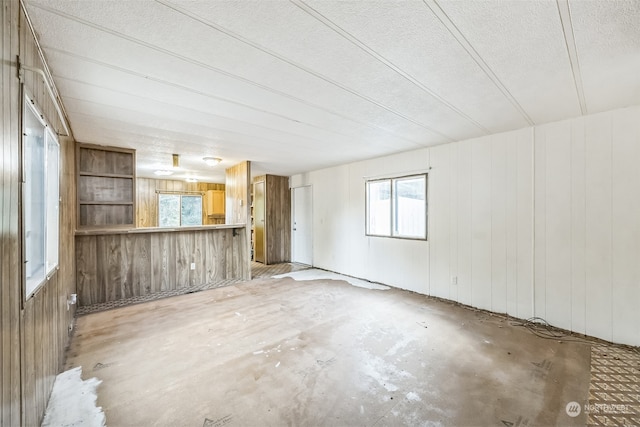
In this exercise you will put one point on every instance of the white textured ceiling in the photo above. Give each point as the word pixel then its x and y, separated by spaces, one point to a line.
pixel 299 85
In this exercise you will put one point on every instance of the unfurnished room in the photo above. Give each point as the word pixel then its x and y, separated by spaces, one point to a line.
pixel 320 213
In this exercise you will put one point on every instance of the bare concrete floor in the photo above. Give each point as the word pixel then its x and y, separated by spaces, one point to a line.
pixel 281 352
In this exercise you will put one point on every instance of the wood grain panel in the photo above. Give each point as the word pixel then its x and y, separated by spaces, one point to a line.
pixel 87 267
pixel 231 248
pixel 120 265
pixel 215 265
pixel 33 332
pixel 144 211
pixel 198 257
pixel 277 219
pixel 238 204
pixel 238 181
pixel 126 266
pixel 101 189
pixel 10 285
pixel 105 160
pixel 184 247
pixel 163 266
pixel 141 265
pixel 106 215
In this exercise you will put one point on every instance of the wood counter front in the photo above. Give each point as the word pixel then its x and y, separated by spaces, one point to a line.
pixel 115 264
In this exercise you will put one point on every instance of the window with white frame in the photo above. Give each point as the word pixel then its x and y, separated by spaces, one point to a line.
pixel 179 210
pixel 397 207
pixel 40 198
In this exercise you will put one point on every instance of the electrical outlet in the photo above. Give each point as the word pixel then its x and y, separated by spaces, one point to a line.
pixel 193 265
pixel 454 280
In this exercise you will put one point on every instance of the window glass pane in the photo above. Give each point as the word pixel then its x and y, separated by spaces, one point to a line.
pixel 191 210
pixel 379 208
pixel 169 210
pixel 410 207
pixel 53 201
pixel 34 199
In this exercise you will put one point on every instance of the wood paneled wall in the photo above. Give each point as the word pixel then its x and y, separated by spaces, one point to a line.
pixel 238 193
pixel 147 198
pixel 114 266
pixel 33 333
pixel 238 201
pixel 277 227
pixel 10 287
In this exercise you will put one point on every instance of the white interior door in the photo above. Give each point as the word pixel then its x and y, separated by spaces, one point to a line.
pixel 302 233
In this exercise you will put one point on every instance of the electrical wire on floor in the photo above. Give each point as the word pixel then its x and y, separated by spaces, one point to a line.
pixel 541 328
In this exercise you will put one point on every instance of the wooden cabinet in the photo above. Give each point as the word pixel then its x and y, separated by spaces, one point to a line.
pixel 215 203
pixel 106 186
pixel 271 219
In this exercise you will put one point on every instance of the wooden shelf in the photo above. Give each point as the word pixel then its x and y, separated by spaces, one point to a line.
pixel 107 175
pixel 104 203
pixel 106 186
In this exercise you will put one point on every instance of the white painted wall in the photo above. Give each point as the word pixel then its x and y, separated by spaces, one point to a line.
pixel 542 221
pixel 339 241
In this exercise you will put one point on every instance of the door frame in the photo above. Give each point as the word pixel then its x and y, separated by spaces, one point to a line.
pixel 293 216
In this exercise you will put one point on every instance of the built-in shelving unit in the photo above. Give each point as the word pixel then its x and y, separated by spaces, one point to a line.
pixel 106 186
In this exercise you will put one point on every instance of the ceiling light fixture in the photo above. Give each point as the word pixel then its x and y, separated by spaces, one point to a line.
pixel 191 180
pixel 212 161
pixel 163 172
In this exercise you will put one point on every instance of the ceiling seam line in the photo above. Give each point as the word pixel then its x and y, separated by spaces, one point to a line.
pixel 301 67
pixel 169 140
pixel 222 99
pixel 477 58
pixel 380 58
pixel 176 121
pixel 564 13
pixel 213 115
pixel 228 74
pixel 187 60
pixel 144 126
pixel 110 141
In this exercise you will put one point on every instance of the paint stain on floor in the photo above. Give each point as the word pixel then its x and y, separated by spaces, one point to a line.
pixel 73 402
pixel 316 274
